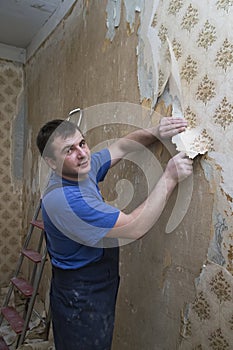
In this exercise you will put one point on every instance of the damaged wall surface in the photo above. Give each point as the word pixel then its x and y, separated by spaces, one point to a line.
pixel 188 45
pixel 176 288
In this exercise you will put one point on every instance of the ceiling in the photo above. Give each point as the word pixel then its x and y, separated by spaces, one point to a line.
pixel 20 20
pixel 25 24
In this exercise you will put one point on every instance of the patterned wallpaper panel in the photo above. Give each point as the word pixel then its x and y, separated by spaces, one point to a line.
pixel 209 324
pixel 11 84
pixel 201 39
pixel 190 45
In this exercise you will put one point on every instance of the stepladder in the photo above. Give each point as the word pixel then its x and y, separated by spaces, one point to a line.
pixel 26 283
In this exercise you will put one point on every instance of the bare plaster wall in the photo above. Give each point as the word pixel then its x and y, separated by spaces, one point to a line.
pixel 78 66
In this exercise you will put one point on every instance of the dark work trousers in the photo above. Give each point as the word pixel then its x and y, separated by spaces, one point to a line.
pixel 83 304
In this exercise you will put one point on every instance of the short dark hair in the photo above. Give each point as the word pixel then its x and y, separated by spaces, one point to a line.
pixel 52 129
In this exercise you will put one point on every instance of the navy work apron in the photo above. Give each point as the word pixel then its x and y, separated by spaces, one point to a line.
pixel 83 304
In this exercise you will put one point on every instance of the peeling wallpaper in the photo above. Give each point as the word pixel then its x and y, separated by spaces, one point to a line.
pixel 113 10
pixel 187 48
pixel 201 41
pixel 207 322
pixel 199 64
pixel 177 288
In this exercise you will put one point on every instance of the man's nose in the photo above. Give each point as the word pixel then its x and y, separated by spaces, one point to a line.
pixel 80 152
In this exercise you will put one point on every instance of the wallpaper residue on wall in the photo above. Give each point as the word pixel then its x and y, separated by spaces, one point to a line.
pixel 187 46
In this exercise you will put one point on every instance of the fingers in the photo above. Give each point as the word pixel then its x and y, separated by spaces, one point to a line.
pixel 172 121
pixel 167 120
pixel 170 126
pixel 184 158
pixel 184 166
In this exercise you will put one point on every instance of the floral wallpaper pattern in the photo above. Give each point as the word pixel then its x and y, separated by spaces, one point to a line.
pixel 201 37
pixel 185 58
pixel 202 43
pixel 11 85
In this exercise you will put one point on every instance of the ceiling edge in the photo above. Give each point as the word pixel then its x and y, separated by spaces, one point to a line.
pixel 12 53
pixel 48 27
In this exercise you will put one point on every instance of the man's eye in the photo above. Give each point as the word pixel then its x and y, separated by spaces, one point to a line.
pixel 69 151
pixel 82 143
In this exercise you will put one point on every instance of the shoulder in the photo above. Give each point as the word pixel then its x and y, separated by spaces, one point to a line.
pixel 100 163
pixel 57 189
pixel 101 157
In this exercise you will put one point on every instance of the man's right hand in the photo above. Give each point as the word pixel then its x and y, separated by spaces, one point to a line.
pixel 179 167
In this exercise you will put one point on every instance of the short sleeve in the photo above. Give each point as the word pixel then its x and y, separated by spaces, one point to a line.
pixel 84 219
pixel 76 209
pixel 100 165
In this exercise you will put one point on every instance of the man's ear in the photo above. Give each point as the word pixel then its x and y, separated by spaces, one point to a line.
pixel 51 163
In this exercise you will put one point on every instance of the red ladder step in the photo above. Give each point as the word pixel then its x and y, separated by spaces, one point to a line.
pixel 14 318
pixel 38 224
pixel 32 255
pixel 23 286
pixel 3 345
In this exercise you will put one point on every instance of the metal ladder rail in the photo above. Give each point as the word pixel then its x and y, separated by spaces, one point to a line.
pixel 36 276
pixel 33 298
pixel 39 260
pixel 20 260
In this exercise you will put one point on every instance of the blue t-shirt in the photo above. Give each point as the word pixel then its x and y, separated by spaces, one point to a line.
pixel 76 218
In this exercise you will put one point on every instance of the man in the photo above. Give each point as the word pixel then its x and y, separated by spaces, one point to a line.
pixel 80 226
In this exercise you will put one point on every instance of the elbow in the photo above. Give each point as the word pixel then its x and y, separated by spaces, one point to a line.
pixel 129 231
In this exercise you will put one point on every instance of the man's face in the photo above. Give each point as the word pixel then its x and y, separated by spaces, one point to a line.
pixel 71 157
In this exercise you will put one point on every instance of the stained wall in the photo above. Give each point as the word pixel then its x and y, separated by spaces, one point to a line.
pixel 189 47
pixel 176 288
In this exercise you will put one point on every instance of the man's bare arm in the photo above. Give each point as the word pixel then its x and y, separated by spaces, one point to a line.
pixel 141 219
pixel 135 141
